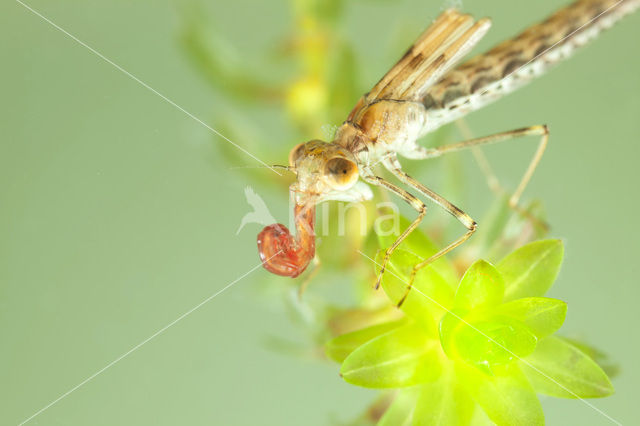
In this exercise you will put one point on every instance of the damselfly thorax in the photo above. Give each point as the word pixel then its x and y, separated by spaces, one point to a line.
pixel 420 93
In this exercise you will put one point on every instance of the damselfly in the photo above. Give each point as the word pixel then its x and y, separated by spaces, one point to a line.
pixel 420 93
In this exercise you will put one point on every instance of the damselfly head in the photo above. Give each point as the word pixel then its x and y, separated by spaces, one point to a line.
pixel 325 171
pixel 322 167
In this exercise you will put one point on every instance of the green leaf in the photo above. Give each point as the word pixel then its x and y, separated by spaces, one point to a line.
pixel 507 397
pixel 341 321
pixel 531 269
pixel 422 247
pixel 447 329
pixel 544 316
pixel 338 348
pixel 430 296
pixel 609 366
pixel 400 358
pixel 443 402
pixel 559 369
pixel 400 412
pixel 481 286
pixel 487 344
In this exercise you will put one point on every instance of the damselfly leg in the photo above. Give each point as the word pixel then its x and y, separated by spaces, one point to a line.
pixel 411 199
pixel 493 182
pixel 393 165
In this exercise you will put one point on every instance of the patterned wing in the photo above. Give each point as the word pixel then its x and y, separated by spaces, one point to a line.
pixel 517 61
pixel 434 53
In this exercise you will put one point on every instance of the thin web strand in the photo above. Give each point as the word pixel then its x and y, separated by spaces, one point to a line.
pixel 142 83
pixel 139 345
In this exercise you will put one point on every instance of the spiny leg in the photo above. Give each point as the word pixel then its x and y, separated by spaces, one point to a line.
pixel 483 162
pixel 492 180
pixel 539 130
pixel 412 200
pixel 543 132
pixel 394 167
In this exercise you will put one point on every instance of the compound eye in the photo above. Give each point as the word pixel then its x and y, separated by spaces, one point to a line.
pixel 341 173
pixel 294 154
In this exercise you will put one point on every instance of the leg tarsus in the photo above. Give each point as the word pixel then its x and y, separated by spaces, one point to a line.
pixel 412 200
pixel 435 257
pixel 394 167
pixel 492 180
pixel 387 256
pixel 392 164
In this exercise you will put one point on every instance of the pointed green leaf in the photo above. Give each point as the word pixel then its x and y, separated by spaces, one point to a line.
pixel 443 402
pixel 338 348
pixel 400 412
pixel 481 286
pixel 402 357
pixel 559 369
pixel 507 397
pixel 430 296
pixel 608 365
pixel 544 316
pixel 341 321
pixel 450 323
pixel 422 247
pixel 485 343
pixel 531 269
pixel 490 343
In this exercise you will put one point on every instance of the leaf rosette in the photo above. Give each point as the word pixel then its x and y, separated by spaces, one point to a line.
pixel 474 351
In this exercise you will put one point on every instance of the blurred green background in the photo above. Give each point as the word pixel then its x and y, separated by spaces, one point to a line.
pixel 118 212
